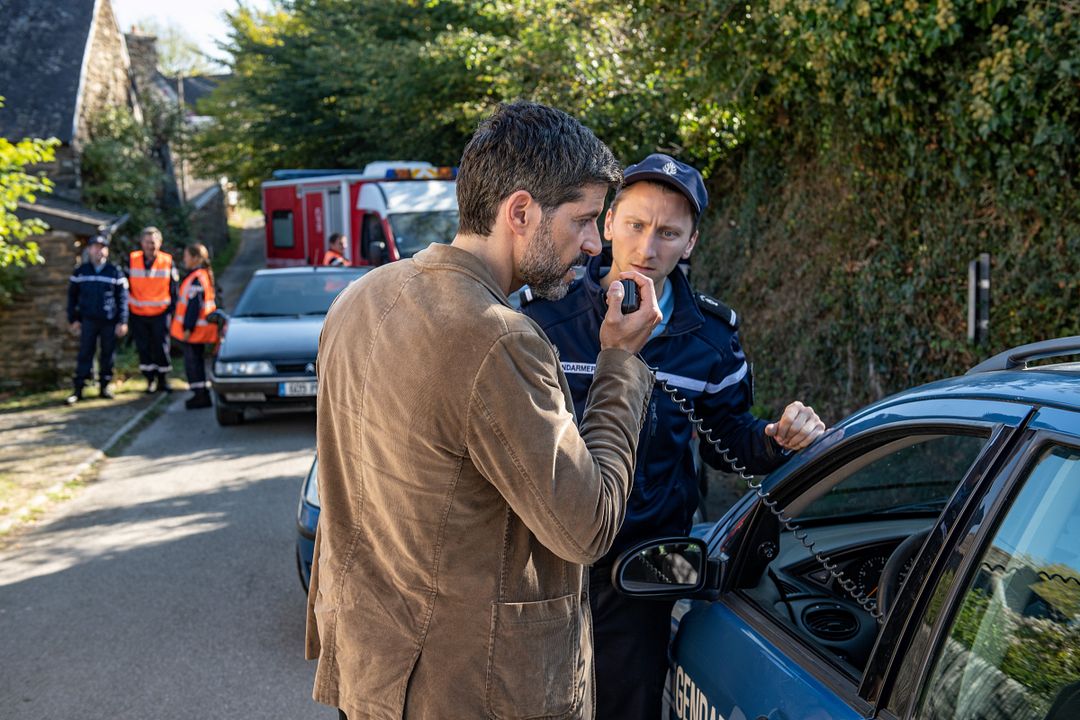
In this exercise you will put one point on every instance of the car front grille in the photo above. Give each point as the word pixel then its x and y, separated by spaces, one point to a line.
pixel 296 368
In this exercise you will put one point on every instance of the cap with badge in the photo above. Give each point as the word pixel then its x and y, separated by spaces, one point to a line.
pixel 98 240
pixel 662 168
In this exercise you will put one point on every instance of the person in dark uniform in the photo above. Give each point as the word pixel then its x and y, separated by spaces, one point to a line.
pixel 338 254
pixel 152 281
pixel 191 326
pixel 98 313
pixel 652 227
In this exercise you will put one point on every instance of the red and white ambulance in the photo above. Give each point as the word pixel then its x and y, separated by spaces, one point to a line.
pixel 388 211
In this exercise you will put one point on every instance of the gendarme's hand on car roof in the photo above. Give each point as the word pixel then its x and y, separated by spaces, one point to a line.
pixel 797 427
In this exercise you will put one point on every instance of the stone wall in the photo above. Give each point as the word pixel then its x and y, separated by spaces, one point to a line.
pixel 39 350
pixel 142 50
pixel 64 172
pixel 108 80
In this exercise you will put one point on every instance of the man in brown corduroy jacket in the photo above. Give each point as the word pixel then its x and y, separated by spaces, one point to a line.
pixel 460 502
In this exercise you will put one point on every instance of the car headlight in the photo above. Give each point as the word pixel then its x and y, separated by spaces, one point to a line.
pixel 244 367
pixel 311 489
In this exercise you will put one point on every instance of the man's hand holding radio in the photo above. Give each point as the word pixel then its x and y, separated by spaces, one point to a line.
pixel 629 332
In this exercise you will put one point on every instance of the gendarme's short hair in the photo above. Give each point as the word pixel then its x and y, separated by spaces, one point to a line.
pixel 531 147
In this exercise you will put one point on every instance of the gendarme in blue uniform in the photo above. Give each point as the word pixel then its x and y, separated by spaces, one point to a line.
pixel 98 300
pixel 698 354
pixel 98 294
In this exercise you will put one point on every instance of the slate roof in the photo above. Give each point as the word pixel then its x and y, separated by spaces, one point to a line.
pixel 41 59
pixel 71 217
pixel 195 88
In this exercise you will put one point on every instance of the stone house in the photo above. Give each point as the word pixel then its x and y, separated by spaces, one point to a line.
pixel 61 63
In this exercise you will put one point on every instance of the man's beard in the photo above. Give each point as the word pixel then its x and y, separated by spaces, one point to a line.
pixel 542 269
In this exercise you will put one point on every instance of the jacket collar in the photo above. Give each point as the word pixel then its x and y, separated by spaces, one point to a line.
pixel 685 315
pixel 448 257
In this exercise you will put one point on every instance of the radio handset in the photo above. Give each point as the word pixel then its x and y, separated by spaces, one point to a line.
pixel 630 300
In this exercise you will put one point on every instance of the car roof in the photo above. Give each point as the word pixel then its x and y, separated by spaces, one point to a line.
pixel 309 269
pixel 1007 376
pixel 1056 385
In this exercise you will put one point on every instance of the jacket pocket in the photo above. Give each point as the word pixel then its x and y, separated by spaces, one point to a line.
pixel 534 659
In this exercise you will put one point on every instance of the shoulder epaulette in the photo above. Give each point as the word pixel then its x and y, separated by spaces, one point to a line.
pixel 717 308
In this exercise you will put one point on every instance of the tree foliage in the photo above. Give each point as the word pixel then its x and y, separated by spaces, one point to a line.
pixel 177 53
pixel 858 153
pixel 17 184
pixel 123 167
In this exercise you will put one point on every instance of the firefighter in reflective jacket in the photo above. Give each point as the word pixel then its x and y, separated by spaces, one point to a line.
pixel 338 252
pixel 151 299
pixel 97 310
pixel 190 324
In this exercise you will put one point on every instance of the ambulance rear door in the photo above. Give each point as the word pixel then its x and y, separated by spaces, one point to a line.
pixel 284 225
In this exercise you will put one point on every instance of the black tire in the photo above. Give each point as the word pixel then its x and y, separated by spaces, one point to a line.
pixel 300 570
pixel 226 417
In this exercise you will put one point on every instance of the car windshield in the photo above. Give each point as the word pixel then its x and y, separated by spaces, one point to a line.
pixel 293 293
pixel 414 231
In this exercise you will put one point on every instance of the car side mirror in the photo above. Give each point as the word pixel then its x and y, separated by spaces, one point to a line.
pixel 667 568
pixel 378 252
pixel 219 318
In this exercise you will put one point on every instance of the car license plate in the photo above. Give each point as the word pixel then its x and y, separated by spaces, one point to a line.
pixel 301 388
pixel 245 397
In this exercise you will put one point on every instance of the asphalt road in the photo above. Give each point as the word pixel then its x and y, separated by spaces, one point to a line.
pixel 168 588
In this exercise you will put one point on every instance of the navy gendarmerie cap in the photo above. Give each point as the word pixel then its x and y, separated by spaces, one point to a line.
pixel 666 169
pixel 98 240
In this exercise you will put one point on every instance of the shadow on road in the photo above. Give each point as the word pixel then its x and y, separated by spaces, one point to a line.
pixel 181 605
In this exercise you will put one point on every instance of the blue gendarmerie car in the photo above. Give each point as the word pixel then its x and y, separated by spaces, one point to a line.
pixel 307 520
pixel 921 561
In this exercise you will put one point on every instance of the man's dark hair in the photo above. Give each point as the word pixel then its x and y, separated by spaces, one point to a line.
pixel 531 147
pixel 334 237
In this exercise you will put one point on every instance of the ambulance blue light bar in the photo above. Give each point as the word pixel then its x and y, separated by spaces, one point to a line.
pixel 424 173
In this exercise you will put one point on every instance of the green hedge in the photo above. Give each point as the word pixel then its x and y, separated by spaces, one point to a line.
pixel 880 147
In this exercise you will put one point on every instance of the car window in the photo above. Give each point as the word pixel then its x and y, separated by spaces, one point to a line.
pixel 292 294
pixel 858 517
pixel 281 228
pixel 1013 648
pixel 414 231
pixel 912 474
pixel 372 232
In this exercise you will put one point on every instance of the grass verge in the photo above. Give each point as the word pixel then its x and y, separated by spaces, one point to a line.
pixel 127 380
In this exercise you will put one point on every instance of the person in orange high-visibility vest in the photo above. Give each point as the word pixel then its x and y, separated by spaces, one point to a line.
pixel 152 282
pixel 190 325
pixel 338 253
